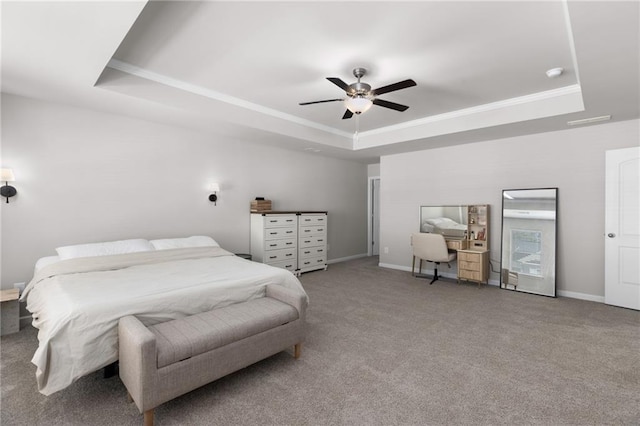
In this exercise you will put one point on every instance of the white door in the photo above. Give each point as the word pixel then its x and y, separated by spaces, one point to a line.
pixel 622 228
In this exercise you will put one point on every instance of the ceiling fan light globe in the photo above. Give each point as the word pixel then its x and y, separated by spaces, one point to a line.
pixel 358 104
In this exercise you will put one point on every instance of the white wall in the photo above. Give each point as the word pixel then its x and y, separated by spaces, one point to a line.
pixel 571 160
pixel 373 170
pixel 85 176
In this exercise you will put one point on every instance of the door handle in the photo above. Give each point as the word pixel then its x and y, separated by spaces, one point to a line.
pixel 611 235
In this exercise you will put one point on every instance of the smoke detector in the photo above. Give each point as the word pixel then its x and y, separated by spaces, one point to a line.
pixel 555 72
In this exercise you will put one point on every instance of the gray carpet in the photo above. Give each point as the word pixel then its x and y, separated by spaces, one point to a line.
pixel 385 348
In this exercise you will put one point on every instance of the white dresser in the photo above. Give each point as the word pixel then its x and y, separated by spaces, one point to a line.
pixel 312 241
pixel 292 240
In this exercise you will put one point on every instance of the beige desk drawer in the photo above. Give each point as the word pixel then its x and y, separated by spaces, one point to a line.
pixel 279 233
pixel 313 230
pixel 470 257
pixel 277 221
pixel 279 255
pixel 289 265
pixel 312 261
pixel 470 275
pixel 469 266
pixel 303 253
pixel 280 244
pixel 311 241
pixel 456 244
pixel 313 220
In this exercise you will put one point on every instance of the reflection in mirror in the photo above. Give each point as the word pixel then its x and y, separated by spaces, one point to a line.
pixel 450 221
pixel 528 261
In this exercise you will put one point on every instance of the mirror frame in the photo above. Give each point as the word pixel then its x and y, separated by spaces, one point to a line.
pixel 505 274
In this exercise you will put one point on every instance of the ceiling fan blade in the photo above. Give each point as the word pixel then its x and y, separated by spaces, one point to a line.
pixel 320 102
pixel 347 114
pixel 391 105
pixel 393 87
pixel 341 84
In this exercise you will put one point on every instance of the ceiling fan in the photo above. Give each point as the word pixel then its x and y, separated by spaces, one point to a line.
pixel 360 97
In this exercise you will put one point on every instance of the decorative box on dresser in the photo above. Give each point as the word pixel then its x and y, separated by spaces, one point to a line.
pixel 293 240
pixel 473 260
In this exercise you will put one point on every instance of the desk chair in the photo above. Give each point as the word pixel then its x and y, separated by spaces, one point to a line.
pixel 432 248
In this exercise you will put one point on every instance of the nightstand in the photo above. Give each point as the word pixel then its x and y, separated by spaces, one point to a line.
pixel 473 265
pixel 9 311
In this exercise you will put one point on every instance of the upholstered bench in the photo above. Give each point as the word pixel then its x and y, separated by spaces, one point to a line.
pixel 169 359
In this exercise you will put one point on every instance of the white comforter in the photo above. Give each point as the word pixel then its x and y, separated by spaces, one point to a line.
pixel 76 304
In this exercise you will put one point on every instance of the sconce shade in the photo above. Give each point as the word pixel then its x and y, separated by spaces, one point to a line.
pixel 215 188
pixel 6 175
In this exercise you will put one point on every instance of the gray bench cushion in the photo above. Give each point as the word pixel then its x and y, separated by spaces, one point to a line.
pixel 190 336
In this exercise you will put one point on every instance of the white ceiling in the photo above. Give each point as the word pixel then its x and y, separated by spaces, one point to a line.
pixel 240 69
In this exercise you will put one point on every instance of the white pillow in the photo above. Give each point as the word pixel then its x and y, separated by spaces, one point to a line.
pixel 46 261
pixel 103 249
pixel 174 243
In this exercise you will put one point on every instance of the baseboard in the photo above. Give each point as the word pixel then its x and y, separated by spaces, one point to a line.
pixel 561 293
pixel 581 296
pixel 344 259
pixel 392 266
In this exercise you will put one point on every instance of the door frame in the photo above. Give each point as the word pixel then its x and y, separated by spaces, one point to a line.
pixel 370 215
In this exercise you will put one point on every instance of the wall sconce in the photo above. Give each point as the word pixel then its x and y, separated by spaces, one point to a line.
pixel 215 188
pixel 7 190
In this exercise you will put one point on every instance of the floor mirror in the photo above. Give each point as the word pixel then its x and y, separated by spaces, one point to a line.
pixel 528 260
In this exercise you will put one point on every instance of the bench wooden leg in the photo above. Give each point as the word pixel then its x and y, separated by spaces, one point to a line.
pixel 148 418
pixel 296 350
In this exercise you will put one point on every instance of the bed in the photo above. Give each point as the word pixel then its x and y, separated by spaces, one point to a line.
pixel 76 301
pixel 445 226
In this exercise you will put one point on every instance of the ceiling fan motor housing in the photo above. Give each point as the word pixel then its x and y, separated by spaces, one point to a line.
pixel 359 89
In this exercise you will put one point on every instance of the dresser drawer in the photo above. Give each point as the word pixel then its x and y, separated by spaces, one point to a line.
pixel 279 255
pixel 289 265
pixel 313 230
pixel 313 220
pixel 311 241
pixel 311 261
pixel 277 221
pixel 279 233
pixel 311 252
pixel 280 244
